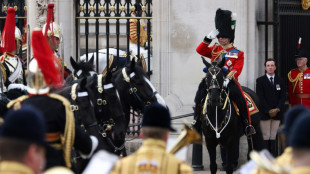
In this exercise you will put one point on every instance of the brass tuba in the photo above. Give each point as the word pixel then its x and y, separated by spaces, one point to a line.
pixel 187 136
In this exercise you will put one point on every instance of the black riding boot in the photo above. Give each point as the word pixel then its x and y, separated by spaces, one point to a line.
pixel 237 96
pixel 272 148
pixel 267 144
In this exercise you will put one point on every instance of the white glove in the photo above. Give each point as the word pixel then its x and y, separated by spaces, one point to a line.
pixel 213 34
pixel 226 81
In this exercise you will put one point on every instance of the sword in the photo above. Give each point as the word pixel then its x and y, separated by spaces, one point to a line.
pixel 62 54
pixel 28 46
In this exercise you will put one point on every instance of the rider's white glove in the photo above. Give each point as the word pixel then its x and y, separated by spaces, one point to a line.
pixel 213 34
pixel 226 81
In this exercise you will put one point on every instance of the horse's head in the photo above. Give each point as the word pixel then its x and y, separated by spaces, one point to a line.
pixel 214 82
pixel 108 107
pixel 135 88
pixel 81 69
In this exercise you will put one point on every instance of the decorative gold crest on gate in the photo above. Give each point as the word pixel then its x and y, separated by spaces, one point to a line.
pixel 305 4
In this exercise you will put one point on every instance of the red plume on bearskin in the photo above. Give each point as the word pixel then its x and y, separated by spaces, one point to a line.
pixel 299 43
pixel 49 18
pixel 45 58
pixel 8 35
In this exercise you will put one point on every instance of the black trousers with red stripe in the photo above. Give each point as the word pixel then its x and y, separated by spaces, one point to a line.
pixel 236 95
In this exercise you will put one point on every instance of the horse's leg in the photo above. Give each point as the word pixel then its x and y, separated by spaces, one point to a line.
pixel 211 146
pixel 229 147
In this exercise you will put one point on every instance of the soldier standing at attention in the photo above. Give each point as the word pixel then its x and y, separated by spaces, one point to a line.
pixel 152 157
pixel 271 91
pixel 299 79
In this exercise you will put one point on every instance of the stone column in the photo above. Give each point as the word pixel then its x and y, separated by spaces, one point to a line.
pixel 36 13
pixel 65 17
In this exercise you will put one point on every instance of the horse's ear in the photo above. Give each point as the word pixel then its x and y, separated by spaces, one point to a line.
pixel 73 63
pixel 205 62
pixel 91 60
pixel 108 77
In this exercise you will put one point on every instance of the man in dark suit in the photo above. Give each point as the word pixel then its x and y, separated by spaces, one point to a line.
pixel 272 94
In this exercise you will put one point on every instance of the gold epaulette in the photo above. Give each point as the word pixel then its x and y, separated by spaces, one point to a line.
pixel 16 104
pixel 296 80
pixel 68 137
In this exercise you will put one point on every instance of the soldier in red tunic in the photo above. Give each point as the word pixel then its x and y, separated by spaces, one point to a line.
pixel 299 80
pixel 232 58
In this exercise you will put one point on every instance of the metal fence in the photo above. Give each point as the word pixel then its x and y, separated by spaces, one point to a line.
pixel 106 23
pixel 109 21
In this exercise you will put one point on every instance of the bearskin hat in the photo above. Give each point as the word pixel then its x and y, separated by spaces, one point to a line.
pixel 301 52
pixel 225 22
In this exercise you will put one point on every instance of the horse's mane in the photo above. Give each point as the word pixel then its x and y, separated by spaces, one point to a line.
pixel 86 66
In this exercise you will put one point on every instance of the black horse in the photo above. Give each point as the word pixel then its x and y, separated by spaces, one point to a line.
pixel 81 70
pixel 135 90
pixel 108 111
pixel 219 120
pixel 107 124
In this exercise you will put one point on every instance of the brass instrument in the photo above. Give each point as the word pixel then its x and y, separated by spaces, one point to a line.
pixel 264 160
pixel 187 136
pixel 58 170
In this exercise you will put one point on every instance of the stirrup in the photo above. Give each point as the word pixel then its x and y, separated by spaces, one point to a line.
pixel 249 130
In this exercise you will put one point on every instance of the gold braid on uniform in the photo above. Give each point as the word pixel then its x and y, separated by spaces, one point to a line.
pixel 111 59
pixel 218 54
pixel 296 80
pixel 16 104
pixel 68 138
pixel 3 72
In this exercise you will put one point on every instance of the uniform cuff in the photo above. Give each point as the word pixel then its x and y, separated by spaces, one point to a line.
pixel 207 40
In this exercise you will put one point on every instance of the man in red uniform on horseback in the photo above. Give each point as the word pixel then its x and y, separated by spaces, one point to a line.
pixel 232 59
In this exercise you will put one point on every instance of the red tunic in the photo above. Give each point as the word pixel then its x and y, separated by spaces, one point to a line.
pixel 234 58
pixel 299 87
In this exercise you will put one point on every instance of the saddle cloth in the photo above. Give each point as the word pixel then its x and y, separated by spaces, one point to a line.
pixel 252 106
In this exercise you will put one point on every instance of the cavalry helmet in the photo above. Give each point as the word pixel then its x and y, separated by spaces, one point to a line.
pixel 42 72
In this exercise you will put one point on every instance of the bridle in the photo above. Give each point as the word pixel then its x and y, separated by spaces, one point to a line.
pixel 79 74
pixel 133 90
pixel 102 103
pixel 214 84
pixel 74 106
